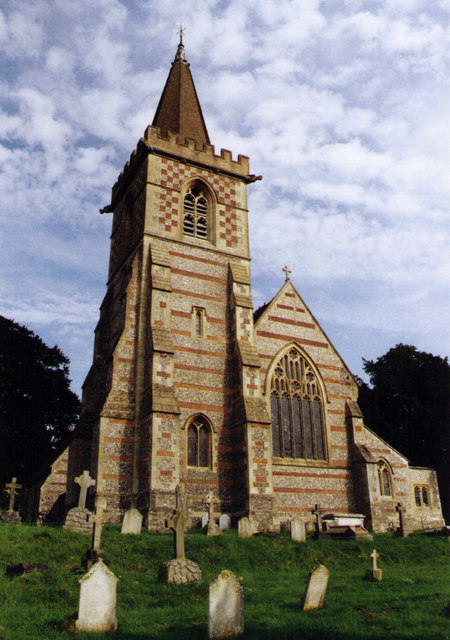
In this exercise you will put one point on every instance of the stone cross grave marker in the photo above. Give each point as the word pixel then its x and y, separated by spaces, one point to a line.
pixel 374 573
pixel 298 530
pixel 317 511
pixel 97 603
pixel 401 531
pixel 177 523
pixel 213 529
pixel 226 606
pixel 180 497
pixel 85 481
pixel 11 488
pixel 316 588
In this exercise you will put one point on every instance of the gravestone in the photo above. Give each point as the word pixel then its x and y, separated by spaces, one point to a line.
pixel 213 529
pixel 226 606
pixel 317 512
pixel 95 552
pixel 245 528
pixel 11 516
pixel 97 603
pixel 374 573
pixel 401 531
pixel 79 518
pixel 225 521
pixel 132 522
pixel 298 530
pixel 316 588
pixel 205 520
pixel 180 570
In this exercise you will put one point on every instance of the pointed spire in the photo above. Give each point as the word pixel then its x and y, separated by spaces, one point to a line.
pixel 179 110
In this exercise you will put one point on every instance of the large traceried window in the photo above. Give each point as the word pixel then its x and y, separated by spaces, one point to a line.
pixel 297 409
pixel 196 213
pixel 199 443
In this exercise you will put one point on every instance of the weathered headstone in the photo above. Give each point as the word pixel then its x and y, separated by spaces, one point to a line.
pixel 213 529
pixel 225 521
pixel 205 520
pixel 316 588
pixel 97 603
pixel 226 606
pixel 132 522
pixel 245 528
pixel 298 530
pixel 180 570
pixel 13 570
pixel 374 573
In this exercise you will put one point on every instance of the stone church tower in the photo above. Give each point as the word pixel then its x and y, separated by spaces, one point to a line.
pixel 190 392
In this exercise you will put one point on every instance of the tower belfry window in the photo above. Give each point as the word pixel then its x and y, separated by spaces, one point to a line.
pixel 195 214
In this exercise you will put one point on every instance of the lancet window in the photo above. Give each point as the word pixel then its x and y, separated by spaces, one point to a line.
pixel 199 443
pixel 195 213
pixel 384 479
pixel 297 409
pixel 422 496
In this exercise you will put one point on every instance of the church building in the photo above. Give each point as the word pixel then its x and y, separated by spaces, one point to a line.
pixel 190 391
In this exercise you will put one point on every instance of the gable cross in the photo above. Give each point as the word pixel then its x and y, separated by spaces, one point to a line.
pixel 287 273
pixel 85 481
pixel 11 489
pixel 374 555
pixel 176 523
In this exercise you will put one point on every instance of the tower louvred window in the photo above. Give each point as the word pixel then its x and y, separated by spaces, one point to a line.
pixel 195 214
pixel 297 410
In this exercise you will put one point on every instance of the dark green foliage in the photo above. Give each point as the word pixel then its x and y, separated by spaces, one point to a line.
pixel 407 404
pixel 408 604
pixel 37 407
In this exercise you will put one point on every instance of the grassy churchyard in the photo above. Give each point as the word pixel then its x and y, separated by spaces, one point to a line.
pixel 408 603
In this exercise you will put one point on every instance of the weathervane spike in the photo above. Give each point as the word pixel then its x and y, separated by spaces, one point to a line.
pixel 181 30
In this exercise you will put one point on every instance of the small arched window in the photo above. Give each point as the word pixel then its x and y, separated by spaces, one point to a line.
pixel 297 409
pixel 199 443
pixel 196 213
pixel 384 479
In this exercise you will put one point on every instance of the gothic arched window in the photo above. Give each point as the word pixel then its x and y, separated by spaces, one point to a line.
pixel 384 478
pixel 195 213
pixel 199 438
pixel 297 409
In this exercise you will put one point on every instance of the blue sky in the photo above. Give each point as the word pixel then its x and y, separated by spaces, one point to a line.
pixel 342 106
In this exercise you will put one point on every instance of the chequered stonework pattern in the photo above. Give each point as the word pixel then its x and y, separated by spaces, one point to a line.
pixel 179 571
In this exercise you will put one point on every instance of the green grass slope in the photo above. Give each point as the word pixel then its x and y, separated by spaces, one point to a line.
pixel 408 603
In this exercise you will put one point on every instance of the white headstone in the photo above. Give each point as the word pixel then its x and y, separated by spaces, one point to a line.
pixel 205 520
pixel 316 588
pixel 298 530
pixel 226 606
pixel 97 603
pixel 245 528
pixel 132 522
pixel 225 521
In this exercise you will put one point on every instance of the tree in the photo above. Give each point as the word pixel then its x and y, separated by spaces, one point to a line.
pixel 37 408
pixel 407 404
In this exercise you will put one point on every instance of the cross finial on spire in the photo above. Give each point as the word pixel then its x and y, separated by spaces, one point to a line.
pixel 287 272
pixel 181 30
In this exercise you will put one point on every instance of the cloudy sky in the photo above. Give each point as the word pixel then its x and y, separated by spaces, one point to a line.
pixel 342 106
